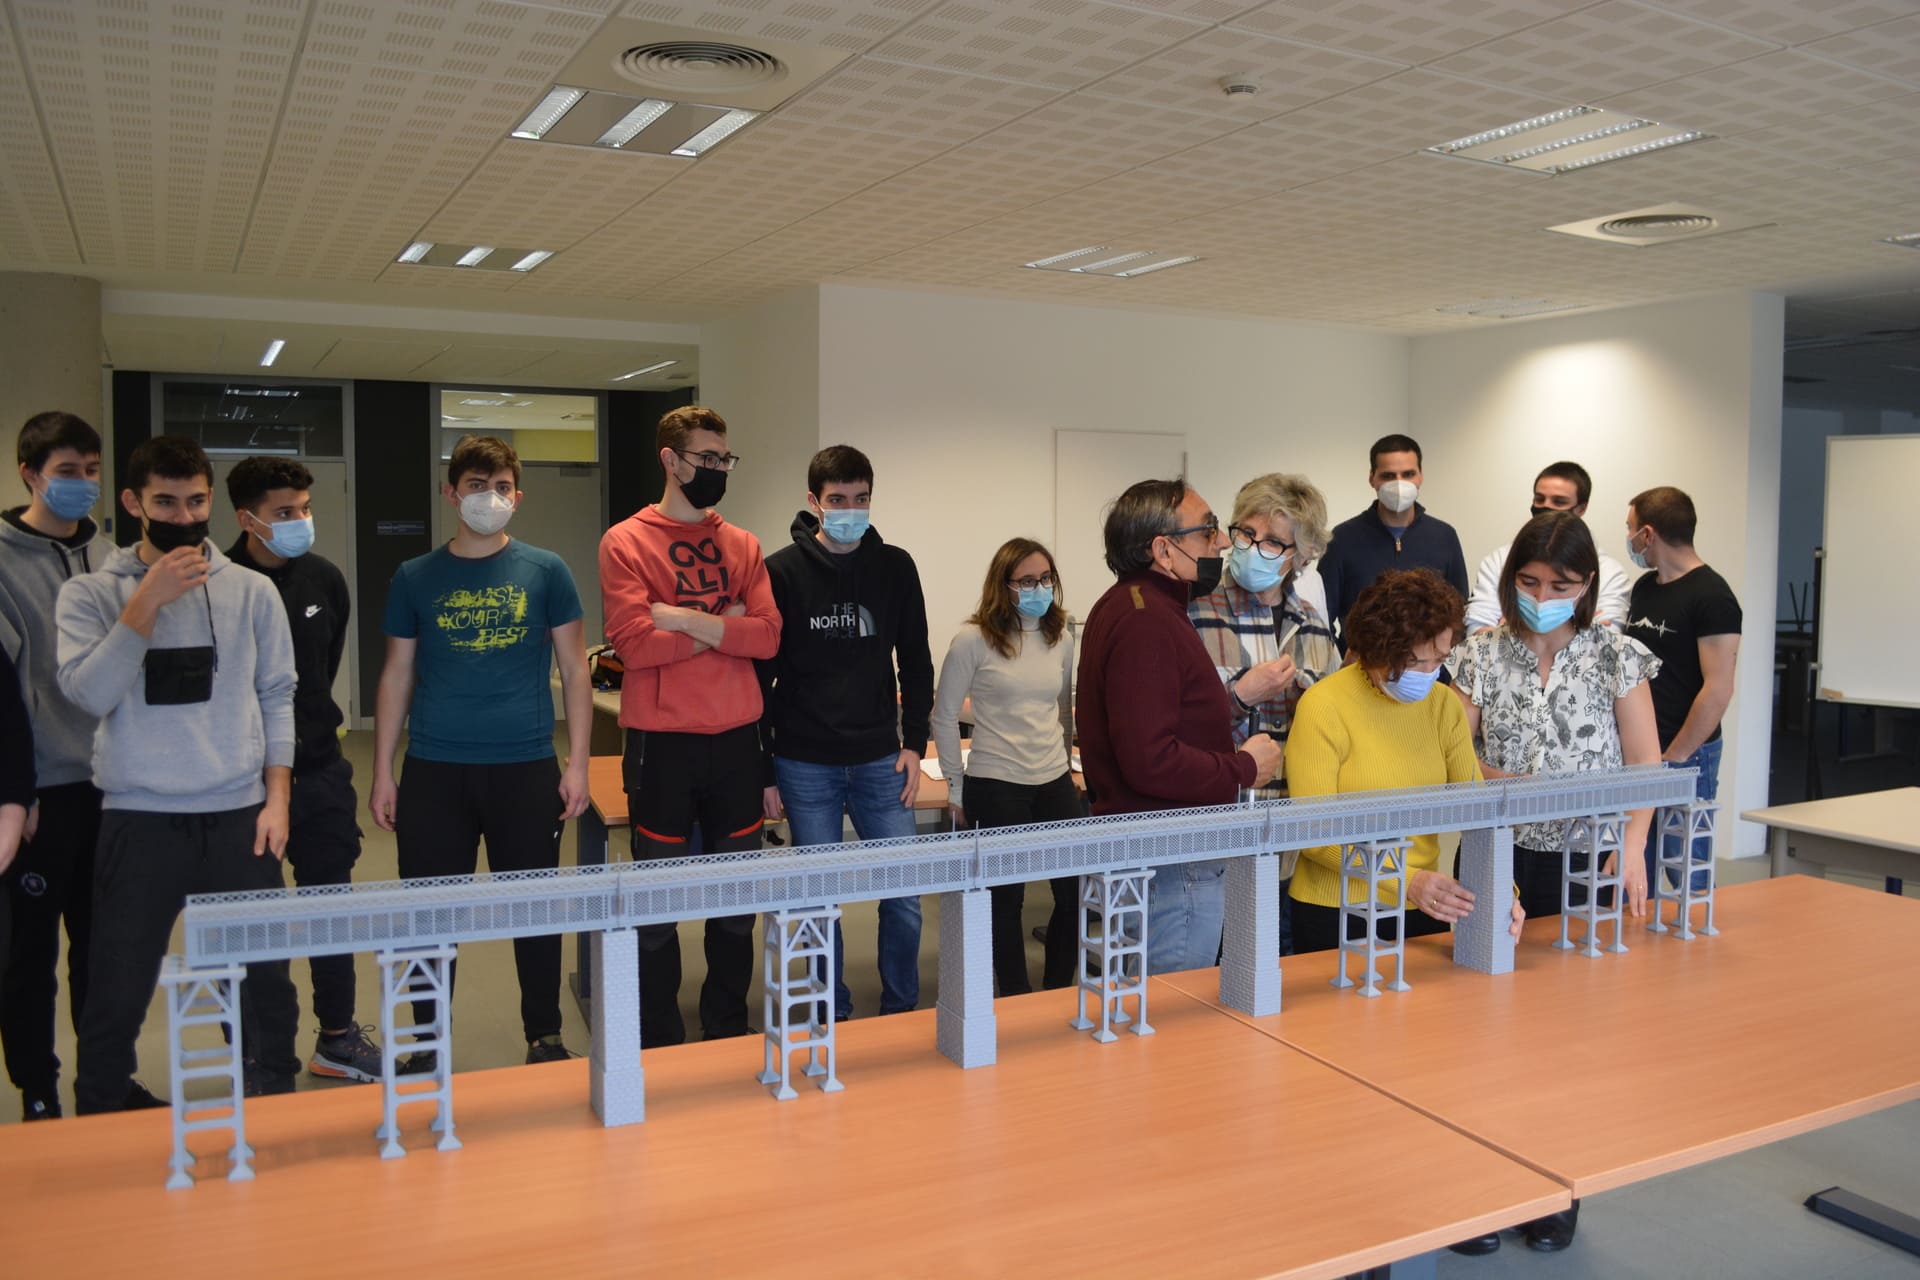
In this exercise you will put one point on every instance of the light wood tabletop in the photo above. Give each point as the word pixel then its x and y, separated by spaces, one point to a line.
pixel 1800 1014
pixel 1889 819
pixel 1204 1150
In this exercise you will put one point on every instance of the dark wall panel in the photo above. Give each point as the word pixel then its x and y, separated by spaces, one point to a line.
pixel 393 474
pixel 132 427
pixel 634 477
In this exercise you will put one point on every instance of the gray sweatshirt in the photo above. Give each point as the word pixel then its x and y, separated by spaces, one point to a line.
pixel 196 757
pixel 33 568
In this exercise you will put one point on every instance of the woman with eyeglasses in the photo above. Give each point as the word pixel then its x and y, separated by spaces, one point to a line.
pixel 1014 660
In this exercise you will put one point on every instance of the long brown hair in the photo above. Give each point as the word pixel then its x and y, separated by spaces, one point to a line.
pixel 996 617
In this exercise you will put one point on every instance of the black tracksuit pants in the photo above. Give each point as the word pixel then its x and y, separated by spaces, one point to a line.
pixel 49 883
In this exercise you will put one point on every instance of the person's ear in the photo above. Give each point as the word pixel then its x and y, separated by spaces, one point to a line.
pixel 130 503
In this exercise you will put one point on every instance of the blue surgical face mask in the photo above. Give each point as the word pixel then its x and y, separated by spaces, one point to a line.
pixel 290 537
pixel 1545 615
pixel 1639 558
pixel 1411 685
pixel 1253 571
pixel 844 526
pixel 1034 601
pixel 71 497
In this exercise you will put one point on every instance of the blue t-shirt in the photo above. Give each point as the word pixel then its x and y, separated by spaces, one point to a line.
pixel 482 685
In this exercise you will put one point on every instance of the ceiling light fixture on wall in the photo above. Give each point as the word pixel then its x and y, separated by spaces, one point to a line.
pixel 474 257
pixel 651 125
pixel 1567 140
pixel 1122 264
pixel 1508 308
pixel 652 368
pixel 272 353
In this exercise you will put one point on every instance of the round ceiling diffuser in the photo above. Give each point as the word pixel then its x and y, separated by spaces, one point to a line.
pixel 692 67
pixel 1645 225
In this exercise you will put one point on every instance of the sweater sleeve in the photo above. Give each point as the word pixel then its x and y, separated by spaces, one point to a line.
pixel 1066 689
pixel 343 614
pixel 628 607
pixel 100 657
pixel 1316 745
pixel 1610 605
pixel 915 660
pixel 956 681
pixel 1457 566
pixel 273 672
pixel 1456 741
pixel 1143 706
pixel 16 740
pixel 1483 610
pixel 757 633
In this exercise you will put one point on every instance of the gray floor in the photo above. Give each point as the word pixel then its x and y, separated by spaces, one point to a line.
pixel 1739 1216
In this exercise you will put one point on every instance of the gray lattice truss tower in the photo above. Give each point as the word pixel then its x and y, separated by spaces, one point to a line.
pixel 415 925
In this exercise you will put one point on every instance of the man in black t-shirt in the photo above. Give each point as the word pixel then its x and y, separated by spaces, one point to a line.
pixel 1688 616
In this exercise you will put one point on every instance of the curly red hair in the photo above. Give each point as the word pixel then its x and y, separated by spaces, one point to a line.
pixel 1402 610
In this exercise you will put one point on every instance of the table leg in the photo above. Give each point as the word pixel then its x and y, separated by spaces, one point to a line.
pixel 1422 1266
pixel 1901 1230
pixel 1777 850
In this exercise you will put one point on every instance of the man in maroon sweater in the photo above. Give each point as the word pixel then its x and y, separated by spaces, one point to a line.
pixel 1155 726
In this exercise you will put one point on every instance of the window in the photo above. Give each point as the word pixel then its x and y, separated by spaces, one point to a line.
pixel 541 426
pixel 267 416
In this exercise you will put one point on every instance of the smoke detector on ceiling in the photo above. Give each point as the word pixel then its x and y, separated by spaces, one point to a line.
pixel 1657 224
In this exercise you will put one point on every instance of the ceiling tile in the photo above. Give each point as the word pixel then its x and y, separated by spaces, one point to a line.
pixel 1890 49
pixel 914 101
pixel 849 25
pixel 1776 88
pixel 1401 33
pixel 1290 75
pixel 33 217
pixel 1786 21
pixel 1062 44
pixel 546 196
pixel 367 358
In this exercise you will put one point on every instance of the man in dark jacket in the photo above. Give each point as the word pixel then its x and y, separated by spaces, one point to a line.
pixel 1156 729
pixel 272 499
pixel 842 735
pixel 1394 532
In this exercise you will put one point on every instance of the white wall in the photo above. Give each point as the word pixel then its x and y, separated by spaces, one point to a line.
pixel 1686 394
pixel 956 399
pixel 760 370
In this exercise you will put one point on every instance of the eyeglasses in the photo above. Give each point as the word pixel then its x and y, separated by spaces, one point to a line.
pixel 711 461
pixel 1033 584
pixel 1269 548
pixel 1209 527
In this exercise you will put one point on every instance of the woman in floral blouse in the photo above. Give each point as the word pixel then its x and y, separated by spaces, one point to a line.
pixel 1549 691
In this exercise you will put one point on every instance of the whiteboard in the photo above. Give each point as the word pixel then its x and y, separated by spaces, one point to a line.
pixel 1869 591
pixel 1091 469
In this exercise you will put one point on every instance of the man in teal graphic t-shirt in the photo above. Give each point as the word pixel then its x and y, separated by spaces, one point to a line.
pixel 473 630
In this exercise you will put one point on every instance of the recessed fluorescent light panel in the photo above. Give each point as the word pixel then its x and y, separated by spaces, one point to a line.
pixel 1508 308
pixel 1565 140
pixel 472 257
pixel 1909 240
pixel 1105 260
pixel 620 122
pixel 652 368
pixel 272 352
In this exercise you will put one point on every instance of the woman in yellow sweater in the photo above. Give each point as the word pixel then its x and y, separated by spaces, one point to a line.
pixel 1381 723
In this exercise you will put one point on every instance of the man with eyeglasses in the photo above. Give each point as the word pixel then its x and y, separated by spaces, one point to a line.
pixel 688 608
pixel 1156 726
pixel 1268 640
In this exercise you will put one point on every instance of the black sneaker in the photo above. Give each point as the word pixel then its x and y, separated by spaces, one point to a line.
pixel 140 1098
pixel 35 1106
pixel 548 1049
pixel 422 1062
pixel 350 1055
pixel 259 1082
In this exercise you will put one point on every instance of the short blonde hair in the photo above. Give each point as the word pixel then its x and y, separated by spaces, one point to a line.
pixel 1293 497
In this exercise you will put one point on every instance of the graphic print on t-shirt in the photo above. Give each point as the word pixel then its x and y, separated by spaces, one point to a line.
pixel 699 577
pixel 483 619
pixel 847 620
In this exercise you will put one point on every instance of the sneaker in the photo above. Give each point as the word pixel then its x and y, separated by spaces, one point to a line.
pixel 258 1082
pixel 422 1062
pixel 548 1049
pixel 140 1098
pixel 38 1106
pixel 350 1055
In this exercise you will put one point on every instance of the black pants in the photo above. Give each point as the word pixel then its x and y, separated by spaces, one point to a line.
pixel 323 843
pixel 145 867
pixel 993 803
pixel 1537 872
pixel 51 881
pixel 1317 928
pixel 445 809
pixel 674 781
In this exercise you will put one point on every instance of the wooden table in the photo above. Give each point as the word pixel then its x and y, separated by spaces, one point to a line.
pixel 1204 1150
pixel 1800 1014
pixel 1877 833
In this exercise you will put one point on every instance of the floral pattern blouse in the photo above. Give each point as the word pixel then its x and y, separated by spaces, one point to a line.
pixel 1566 724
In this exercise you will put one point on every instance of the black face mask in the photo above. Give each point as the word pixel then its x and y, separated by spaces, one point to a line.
pixel 708 486
pixel 1539 511
pixel 167 537
pixel 1206 570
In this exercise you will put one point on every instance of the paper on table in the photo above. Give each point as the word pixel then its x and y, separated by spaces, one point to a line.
pixel 930 765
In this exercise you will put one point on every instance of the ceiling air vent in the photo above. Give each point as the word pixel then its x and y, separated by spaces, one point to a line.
pixel 1658 224
pixel 685 64
pixel 1664 225
pixel 699 67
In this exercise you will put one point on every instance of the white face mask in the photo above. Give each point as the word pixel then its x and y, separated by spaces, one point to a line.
pixel 486 512
pixel 1398 495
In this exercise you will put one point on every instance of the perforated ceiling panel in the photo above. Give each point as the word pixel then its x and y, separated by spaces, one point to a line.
pixel 33 214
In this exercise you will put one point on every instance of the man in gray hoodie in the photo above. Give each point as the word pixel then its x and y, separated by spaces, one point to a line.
pixel 42 544
pixel 188 662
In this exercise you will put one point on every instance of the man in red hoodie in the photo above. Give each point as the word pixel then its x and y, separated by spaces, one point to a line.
pixel 688 609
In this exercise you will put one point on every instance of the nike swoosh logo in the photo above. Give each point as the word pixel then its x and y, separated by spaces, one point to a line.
pixel 312 609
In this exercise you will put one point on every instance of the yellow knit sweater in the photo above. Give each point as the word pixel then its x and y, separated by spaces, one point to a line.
pixel 1348 736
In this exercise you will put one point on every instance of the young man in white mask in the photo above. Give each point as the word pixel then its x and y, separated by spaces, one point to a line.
pixel 273 503
pixel 473 629
pixel 1394 532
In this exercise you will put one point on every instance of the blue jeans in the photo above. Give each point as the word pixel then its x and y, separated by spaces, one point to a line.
pixel 1706 787
pixel 1186 911
pixel 817 798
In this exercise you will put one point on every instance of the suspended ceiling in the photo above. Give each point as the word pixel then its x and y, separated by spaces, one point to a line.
pixel 291 148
